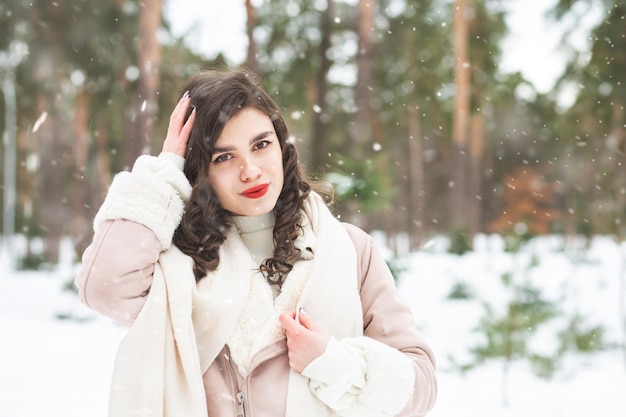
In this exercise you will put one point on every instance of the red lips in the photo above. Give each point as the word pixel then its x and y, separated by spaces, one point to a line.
pixel 256 192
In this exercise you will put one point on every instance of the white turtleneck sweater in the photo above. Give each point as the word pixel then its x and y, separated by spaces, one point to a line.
pixel 257 234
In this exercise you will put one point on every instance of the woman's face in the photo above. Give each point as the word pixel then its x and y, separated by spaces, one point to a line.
pixel 246 169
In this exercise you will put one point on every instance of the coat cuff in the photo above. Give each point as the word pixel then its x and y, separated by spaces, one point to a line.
pixel 338 375
pixel 390 376
pixel 361 376
pixel 152 194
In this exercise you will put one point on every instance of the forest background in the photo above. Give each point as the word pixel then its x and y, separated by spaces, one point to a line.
pixel 401 104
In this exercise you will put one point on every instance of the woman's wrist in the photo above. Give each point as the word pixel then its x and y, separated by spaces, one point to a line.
pixel 174 158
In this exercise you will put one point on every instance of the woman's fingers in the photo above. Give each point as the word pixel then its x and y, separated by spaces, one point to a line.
pixel 178 130
pixel 306 339
pixel 179 111
pixel 287 320
pixel 186 130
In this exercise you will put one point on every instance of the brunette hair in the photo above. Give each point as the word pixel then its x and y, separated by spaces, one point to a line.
pixel 218 95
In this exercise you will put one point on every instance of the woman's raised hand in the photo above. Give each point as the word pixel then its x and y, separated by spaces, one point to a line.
pixel 178 130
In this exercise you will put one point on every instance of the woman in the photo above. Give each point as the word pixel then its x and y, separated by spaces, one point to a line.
pixel 245 296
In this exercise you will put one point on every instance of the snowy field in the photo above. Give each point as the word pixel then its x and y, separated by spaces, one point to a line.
pixel 56 356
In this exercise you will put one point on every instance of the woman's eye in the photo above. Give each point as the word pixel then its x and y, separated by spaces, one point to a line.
pixel 222 158
pixel 262 144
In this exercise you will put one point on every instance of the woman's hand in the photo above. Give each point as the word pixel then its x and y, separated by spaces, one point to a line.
pixel 306 340
pixel 178 130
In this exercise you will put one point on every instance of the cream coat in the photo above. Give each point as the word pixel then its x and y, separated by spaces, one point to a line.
pixel 135 241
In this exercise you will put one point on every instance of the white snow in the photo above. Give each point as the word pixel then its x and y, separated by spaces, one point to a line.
pixel 52 367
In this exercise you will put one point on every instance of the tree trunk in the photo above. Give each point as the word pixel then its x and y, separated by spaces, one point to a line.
pixel 476 183
pixel 102 175
pixel 99 178
pixel 9 179
pixel 361 130
pixel 53 213
pixel 53 133
pixel 319 142
pixel 149 60
pixel 251 19
pixel 416 178
pixel 460 117
pixel 416 213
pixel 618 135
pixel 81 229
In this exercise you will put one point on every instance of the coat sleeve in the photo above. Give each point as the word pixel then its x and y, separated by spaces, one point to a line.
pixel 133 226
pixel 390 370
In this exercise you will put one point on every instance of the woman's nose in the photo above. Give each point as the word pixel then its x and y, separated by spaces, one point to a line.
pixel 249 171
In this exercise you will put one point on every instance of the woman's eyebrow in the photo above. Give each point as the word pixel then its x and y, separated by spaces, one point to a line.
pixel 261 136
pixel 254 140
pixel 222 150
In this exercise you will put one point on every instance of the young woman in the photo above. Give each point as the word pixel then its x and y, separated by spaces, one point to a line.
pixel 244 295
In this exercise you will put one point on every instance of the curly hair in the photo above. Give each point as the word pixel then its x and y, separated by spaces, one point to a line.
pixel 217 97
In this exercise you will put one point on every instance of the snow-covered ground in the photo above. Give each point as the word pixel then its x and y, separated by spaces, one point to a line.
pixel 52 365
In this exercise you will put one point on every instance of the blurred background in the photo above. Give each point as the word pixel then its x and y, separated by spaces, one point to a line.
pixel 421 112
